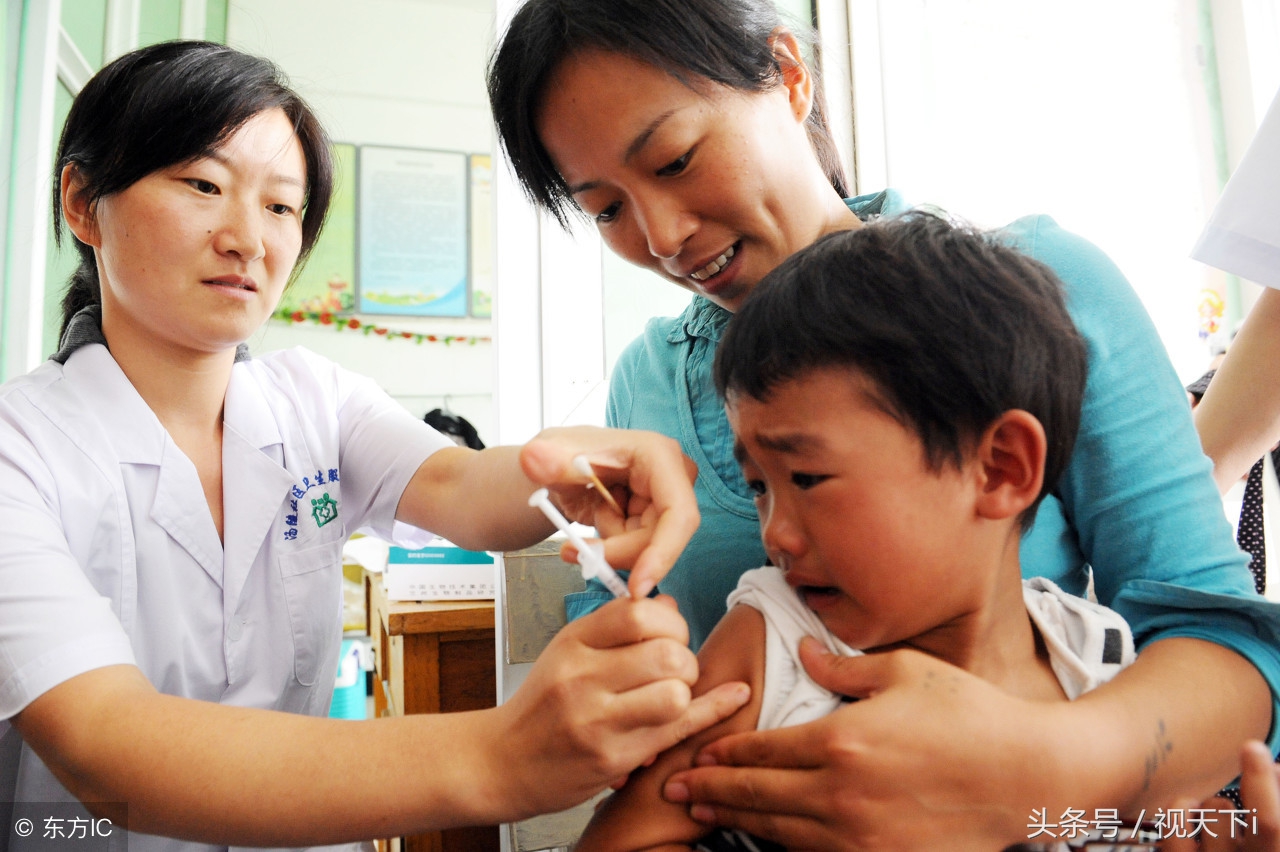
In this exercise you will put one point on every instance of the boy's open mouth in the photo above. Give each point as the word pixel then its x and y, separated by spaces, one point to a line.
pixel 810 594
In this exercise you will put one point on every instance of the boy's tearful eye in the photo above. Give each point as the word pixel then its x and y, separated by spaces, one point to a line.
pixel 805 481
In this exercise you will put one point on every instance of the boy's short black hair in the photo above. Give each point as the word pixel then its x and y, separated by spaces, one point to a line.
pixel 953 326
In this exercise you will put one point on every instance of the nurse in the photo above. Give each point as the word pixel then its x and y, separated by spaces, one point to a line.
pixel 174 512
pixel 691 133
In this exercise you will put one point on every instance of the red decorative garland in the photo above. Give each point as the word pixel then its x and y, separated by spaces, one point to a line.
pixel 337 323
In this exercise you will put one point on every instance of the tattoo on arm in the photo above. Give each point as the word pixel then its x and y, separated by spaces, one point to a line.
pixel 1158 755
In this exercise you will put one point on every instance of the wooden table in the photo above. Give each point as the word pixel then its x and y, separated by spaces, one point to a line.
pixel 432 657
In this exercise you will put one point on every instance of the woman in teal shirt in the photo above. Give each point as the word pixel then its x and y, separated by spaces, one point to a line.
pixel 691 132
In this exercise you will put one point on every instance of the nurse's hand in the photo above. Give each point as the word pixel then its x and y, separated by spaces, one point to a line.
pixel 910 766
pixel 609 693
pixel 648 475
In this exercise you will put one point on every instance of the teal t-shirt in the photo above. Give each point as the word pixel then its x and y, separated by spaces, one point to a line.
pixel 1136 507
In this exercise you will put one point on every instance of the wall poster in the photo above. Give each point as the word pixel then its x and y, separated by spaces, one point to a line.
pixel 414 253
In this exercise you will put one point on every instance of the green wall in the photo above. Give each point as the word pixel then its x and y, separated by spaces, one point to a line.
pixel 796 10
pixel 158 20
pixel 86 22
pixel 8 80
pixel 215 24
pixel 59 263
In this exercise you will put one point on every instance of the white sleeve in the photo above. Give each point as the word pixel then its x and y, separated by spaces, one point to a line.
pixel 1242 235
pixel 379 444
pixel 1088 643
pixel 54 624
pixel 790 697
pixel 382 447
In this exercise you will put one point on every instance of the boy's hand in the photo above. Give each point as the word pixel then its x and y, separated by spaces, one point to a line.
pixel 648 475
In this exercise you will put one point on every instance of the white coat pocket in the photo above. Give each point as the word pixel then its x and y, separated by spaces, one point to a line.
pixel 312 581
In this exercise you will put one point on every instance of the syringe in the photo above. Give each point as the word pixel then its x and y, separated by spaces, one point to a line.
pixel 590 557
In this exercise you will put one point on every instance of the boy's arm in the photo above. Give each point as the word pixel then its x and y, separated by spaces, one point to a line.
pixel 637 817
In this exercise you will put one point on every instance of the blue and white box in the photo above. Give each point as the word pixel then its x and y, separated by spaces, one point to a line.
pixel 440 572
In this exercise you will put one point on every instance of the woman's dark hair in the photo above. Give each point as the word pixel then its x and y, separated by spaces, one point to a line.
pixel 726 42
pixel 952 327
pixel 172 103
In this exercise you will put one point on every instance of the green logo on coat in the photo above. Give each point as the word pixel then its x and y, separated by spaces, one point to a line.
pixel 324 510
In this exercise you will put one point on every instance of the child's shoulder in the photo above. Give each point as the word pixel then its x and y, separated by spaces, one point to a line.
pixel 735 651
pixel 637 816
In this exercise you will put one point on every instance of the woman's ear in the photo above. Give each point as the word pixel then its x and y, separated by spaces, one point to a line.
pixel 795 73
pixel 77 212
pixel 1011 455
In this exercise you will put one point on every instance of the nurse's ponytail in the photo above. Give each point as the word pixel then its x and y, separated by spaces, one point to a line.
pixel 166 104
pixel 83 291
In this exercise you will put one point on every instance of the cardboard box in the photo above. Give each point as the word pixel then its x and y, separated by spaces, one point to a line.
pixel 439 573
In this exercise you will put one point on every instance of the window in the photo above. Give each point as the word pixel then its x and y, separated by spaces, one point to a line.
pixel 1103 114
